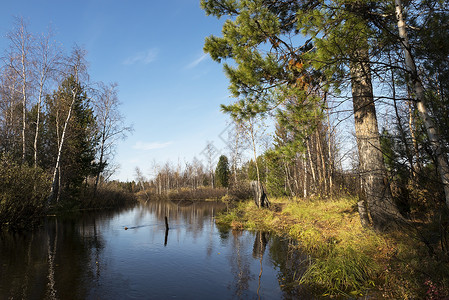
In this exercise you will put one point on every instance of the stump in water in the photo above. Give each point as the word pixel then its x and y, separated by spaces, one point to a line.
pixel 166 223
pixel 260 197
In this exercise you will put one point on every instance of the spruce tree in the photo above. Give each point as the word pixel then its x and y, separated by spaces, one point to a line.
pixel 222 172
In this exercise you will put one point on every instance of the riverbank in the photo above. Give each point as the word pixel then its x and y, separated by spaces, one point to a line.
pixel 346 259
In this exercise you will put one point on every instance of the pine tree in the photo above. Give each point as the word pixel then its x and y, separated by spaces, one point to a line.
pixel 262 38
pixel 276 177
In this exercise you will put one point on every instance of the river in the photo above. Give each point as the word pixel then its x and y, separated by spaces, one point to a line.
pixel 129 254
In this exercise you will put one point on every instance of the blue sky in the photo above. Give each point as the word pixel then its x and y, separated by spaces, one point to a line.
pixel 170 90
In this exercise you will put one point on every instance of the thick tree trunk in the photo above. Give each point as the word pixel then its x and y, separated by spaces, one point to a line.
pixel 260 197
pixel 442 167
pixel 379 202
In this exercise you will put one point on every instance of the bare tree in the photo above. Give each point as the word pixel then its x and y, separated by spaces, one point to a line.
pixel 141 179
pixel 9 105
pixel 46 60
pixel 211 153
pixel 110 122
pixel 20 62
pixel 254 129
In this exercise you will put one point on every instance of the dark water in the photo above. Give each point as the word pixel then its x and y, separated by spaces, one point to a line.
pixel 94 256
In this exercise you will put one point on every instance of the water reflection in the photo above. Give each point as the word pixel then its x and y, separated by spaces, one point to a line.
pixel 129 254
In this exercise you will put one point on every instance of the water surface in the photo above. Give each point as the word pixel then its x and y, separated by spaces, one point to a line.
pixel 129 254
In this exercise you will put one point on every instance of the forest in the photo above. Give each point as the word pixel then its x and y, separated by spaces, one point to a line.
pixel 58 130
pixel 357 95
pixel 310 66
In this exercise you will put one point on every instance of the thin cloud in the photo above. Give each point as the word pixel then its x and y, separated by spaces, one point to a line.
pixel 150 146
pixel 197 61
pixel 144 57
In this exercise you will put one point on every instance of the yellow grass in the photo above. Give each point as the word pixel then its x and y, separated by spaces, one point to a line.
pixel 347 260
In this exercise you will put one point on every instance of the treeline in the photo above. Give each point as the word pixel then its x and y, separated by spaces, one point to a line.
pixel 315 171
pixel 57 128
pixel 303 61
pixel 189 181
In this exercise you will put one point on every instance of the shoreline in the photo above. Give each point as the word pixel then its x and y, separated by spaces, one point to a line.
pixel 347 260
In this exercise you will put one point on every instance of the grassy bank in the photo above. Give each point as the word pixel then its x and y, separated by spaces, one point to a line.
pixel 347 259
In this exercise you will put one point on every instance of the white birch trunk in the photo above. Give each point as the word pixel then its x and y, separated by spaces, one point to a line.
pixel 58 158
pixel 442 167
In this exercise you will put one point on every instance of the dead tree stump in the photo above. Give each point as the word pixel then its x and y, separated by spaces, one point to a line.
pixel 260 197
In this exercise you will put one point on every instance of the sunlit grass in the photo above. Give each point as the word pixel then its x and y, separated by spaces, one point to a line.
pixel 347 259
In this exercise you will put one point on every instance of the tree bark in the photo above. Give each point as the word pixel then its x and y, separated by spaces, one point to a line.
pixel 97 179
pixel 442 165
pixel 23 36
pixel 58 158
pixel 311 165
pixel 379 202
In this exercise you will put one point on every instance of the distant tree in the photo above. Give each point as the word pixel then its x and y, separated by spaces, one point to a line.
pixel 275 177
pixel 222 172
pixel 210 153
pixel 110 125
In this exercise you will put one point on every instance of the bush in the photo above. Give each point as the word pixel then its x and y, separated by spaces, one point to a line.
pixel 23 193
pixel 205 193
pixel 241 191
pixel 109 195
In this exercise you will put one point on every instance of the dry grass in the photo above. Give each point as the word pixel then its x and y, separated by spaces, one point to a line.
pixel 347 259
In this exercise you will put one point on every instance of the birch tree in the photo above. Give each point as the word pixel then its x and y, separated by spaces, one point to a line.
pixel 110 124
pixel 46 60
pixel 76 67
pixel 21 42
pixel 416 83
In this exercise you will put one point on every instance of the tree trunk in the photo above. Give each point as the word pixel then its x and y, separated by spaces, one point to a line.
pixel 39 101
pixel 253 142
pixel 24 103
pixel 363 213
pixel 379 202
pixel 323 164
pixel 58 158
pixel 442 165
pixel 97 179
pixel 305 177
pixel 311 165
pixel 329 149
pixel 411 123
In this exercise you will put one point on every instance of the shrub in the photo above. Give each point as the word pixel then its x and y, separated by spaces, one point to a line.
pixel 23 192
